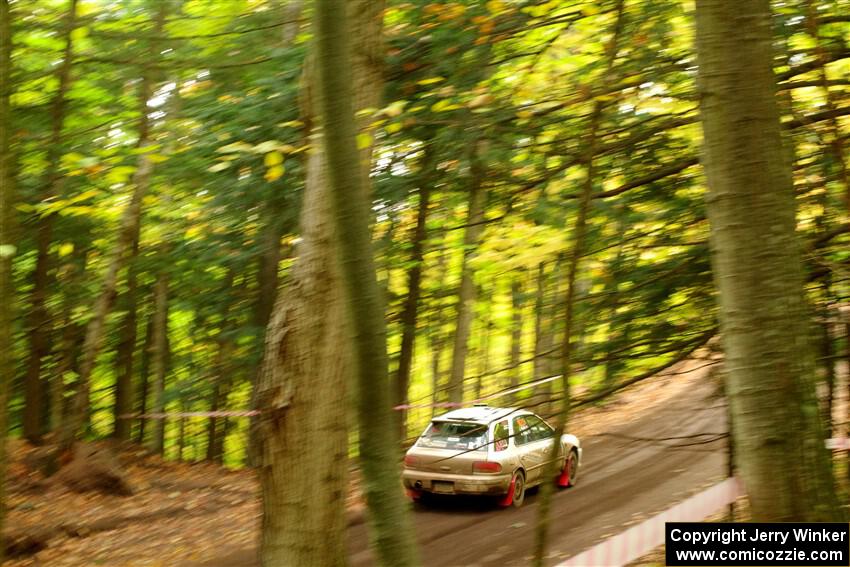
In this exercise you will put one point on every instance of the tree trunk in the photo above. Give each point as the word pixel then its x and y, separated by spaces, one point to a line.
pixel 144 381
pixel 579 243
pixel 39 320
pixel 348 176
pixel 7 245
pixel 128 233
pixel 410 310
pixel 302 386
pixel 758 269
pixel 126 355
pixel 540 303
pixel 484 344
pixel 516 331
pixel 159 360
pixel 436 336
pixel 612 299
pixel 466 292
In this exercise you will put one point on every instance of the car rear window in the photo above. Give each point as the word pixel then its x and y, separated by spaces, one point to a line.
pixel 454 435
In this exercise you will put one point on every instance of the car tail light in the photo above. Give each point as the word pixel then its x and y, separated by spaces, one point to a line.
pixel 410 462
pixel 486 467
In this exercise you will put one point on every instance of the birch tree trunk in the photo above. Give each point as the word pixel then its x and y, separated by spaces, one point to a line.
pixel 758 269
pixel 7 245
pixel 302 388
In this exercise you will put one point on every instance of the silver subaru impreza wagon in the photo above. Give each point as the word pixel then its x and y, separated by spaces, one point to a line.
pixel 488 451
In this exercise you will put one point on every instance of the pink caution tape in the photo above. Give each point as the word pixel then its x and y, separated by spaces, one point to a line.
pixel 639 540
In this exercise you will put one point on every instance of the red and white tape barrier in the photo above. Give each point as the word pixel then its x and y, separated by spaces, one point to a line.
pixel 838 443
pixel 479 400
pixel 639 540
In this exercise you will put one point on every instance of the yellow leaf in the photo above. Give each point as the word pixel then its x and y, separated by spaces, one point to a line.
pixel 495 6
pixel 443 106
pixel 394 127
pixel 272 159
pixel 395 109
pixel 65 249
pixel 274 173
pixel 430 81
pixel 364 140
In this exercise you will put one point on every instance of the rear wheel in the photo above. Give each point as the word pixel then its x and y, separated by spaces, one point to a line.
pixel 516 491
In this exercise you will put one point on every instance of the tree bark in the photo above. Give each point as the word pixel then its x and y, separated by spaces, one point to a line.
pixel 410 309
pixel 516 330
pixel 126 355
pixel 8 245
pixel 578 248
pixel 159 363
pixel 484 342
pixel 758 269
pixel 144 381
pixel 348 175
pixel 466 291
pixel 39 320
pixel 303 383
pixel 128 233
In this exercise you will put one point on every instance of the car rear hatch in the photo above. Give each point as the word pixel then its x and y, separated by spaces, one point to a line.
pixel 449 447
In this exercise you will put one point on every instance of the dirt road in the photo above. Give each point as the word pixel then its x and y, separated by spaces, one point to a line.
pixel 629 472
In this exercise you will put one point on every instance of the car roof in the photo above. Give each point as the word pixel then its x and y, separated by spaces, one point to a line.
pixel 481 414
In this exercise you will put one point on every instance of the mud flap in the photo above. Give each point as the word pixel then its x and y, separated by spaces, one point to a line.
pixel 564 477
pixel 413 494
pixel 508 499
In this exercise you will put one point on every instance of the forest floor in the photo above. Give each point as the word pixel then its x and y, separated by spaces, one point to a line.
pixel 188 514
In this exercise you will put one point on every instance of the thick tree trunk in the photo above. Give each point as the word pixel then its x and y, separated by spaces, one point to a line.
pixel 8 245
pixel 39 317
pixel 466 291
pixel 128 233
pixel 410 309
pixel 758 269
pixel 159 360
pixel 302 387
pixel 348 176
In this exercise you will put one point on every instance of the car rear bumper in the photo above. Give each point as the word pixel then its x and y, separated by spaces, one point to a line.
pixel 456 483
